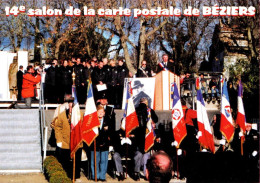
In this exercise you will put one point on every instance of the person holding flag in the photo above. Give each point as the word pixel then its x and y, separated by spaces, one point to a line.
pixel 205 135
pixel 61 124
pixel 226 123
pixel 145 132
pixel 125 140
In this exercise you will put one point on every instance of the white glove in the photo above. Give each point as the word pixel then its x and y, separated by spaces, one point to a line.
pixel 175 143
pixel 126 141
pixel 254 153
pixel 179 152
pixel 222 142
pixel 111 149
pixel 204 150
pixel 59 144
pixel 254 126
pixel 241 134
pixel 199 134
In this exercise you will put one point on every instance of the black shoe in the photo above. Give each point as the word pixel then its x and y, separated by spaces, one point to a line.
pixel 102 180
pixel 136 176
pixel 12 105
pixel 121 177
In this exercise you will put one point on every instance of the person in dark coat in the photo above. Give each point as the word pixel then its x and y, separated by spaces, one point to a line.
pixel 102 146
pixel 123 73
pixel 65 73
pixel 112 84
pixel 19 77
pixel 78 68
pixel 51 82
pixel 99 77
pixel 144 71
pixel 165 64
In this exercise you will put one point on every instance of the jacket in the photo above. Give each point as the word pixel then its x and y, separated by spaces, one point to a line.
pixel 29 82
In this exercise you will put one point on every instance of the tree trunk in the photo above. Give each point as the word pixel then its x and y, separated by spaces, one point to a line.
pixel 142 39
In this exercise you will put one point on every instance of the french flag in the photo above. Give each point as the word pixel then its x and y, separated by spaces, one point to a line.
pixel 90 121
pixel 130 120
pixel 226 126
pixel 241 117
pixel 163 66
pixel 150 136
pixel 206 138
pixel 178 123
pixel 75 126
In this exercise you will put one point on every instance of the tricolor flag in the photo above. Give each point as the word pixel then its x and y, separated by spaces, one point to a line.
pixel 206 138
pixel 226 126
pixel 150 136
pixel 198 83
pixel 130 120
pixel 90 121
pixel 75 126
pixel 163 66
pixel 241 117
pixel 178 123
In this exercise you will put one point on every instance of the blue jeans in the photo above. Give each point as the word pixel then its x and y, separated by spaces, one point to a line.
pixel 102 161
pixel 213 91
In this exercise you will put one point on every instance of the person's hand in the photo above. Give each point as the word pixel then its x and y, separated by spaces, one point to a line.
pixel 59 144
pixel 222 142
pixel 175 143
pixel 105 127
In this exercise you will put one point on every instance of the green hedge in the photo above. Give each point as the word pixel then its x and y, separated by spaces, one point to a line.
pixel 54 172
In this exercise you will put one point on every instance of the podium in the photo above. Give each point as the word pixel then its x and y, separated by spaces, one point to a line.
pixel 163 85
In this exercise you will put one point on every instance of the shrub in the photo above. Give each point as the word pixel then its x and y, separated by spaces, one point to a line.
pixel 54 172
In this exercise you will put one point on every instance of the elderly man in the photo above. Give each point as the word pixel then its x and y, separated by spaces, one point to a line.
pixel 159 168
pixel 165 64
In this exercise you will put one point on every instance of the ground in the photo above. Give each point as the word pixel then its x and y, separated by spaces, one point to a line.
pixel 39 178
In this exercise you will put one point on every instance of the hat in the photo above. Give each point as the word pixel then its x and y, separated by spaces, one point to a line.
pixel 137 84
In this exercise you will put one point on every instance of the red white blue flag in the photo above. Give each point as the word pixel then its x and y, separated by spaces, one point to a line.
pixel 130 120
pixel 75 126
pixel 163 66
pixel 178 123
pixel 90 121
pixel 241 117
pixel 206 138
pixel 150 135
pixel 226 125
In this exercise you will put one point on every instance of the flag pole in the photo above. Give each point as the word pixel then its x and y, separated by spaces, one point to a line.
pixel 242 150
pixel 126 159
pixel 73 168
pixel 177 163
pixel 95 159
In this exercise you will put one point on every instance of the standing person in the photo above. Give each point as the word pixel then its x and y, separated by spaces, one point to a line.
pixel 28 87
pixel 62 135
pixel 19 77
pixel 159 168
pixel 122 74
pixel 165 64
pixel 51 82
pixel 99 77
pixel 112 84
pixel 79 81
pixel 144 71
pixel 102 147
pixel 65 80
pixel 142 112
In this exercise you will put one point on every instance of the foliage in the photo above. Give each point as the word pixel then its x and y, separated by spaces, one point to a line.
pixel 248 72
pixel 54 171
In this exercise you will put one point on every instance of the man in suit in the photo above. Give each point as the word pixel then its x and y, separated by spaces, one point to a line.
pixel 165 64
pixel 19 77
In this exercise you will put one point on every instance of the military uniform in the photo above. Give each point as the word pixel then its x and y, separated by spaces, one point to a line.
pixel 79 83
pixel 122 74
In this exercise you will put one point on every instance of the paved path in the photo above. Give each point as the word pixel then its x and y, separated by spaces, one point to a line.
pixel 39 178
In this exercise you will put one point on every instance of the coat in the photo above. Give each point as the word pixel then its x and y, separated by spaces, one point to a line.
pixel 29 82
pixel 62 130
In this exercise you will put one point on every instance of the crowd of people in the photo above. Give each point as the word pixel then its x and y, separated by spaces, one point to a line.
pixel 108 75
pixel 115 142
